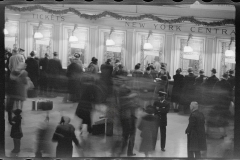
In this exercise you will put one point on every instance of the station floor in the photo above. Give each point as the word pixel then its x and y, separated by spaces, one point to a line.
pixel 100 146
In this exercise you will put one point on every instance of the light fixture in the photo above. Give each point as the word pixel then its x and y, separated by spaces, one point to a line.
pixel 109 41
pixel 188 48
pixel 147 45
pixel 5 30
pixel 73 38
pixel 229 52
pixel 37 34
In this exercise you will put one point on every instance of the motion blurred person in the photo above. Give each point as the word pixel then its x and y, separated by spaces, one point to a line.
pixel 231 78
pixel 198 86
pixel 21 51
pixel 106 76
pixel 64 135
pixel 196 136
pixel 177 89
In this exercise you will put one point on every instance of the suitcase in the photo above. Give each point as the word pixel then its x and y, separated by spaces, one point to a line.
pixel 103 126
pixel 31 93
pixel 45 105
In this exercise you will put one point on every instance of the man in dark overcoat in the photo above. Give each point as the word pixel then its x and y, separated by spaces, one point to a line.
pixel 196 137
pixel 43 82
pixel 161 109
pixel 231 78
pixel 208 85
pixel 188 89
pixel 33 69
pixel 198 86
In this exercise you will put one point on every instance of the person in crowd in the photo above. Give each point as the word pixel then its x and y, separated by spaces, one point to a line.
pixel 15 59
pixel 21 51
pixel 222 91
pixel 177 89
pixel 93 66
pixel 188 90
pixel 198 86
pixel 120 71
pixel 16 130
pixel 106 75
pixel 20 78
pixel 208 85
pixel 43 81
pixel 54 71
pixel 231 78
pixel 147 73
pixel 8 54
pixel 127 107
pixel 64 135
pixel 73 73
pixel 162 107
pixel 156 64
pixel 148 126
pixel 196 136
pixel 154 73
pixel 137 71
pixel 33 68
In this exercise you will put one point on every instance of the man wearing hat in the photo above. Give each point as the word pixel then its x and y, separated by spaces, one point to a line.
pixel 188 90
pixel 43 82
pixel 161 109
pixel 231 78
pixel 15 59
pixel 208 86
pixel 198 86
pixel 222 91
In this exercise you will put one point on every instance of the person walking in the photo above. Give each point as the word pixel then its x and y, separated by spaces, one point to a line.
pixel 64 135
pixel 196 136
pixel 161 109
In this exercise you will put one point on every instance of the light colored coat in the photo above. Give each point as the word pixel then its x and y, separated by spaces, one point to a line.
pixel 15 60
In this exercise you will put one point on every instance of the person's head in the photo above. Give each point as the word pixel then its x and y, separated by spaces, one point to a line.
pixel 201 72
pixel 190 70
pixel 213 71
pixel 17 112
pixel 94 60
pixel 149 109
pixel 137 66
pixel 108 61
pixel 193 106
pixel 76 55
pixel 32 54
pixel 55 54
pixel 178 71
pixel 225 75
pixel 148 70
pixel 231 72
pixel 151 67
pixel 14 51
pixel 46 55
pixel 65 120
pixel 161 95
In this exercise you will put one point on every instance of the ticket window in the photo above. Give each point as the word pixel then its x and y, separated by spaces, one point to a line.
pixel 79 46
pixel 153 55
pixel 228 62
pixel 191 59
pixel 43 45
pixel 116 51
pixel 11 35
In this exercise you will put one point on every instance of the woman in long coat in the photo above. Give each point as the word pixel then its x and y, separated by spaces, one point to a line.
pixel 177 89
pixel 64 136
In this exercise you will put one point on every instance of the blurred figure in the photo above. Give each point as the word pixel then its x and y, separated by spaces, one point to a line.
pixel 43 81
pixel 54 71
pixel 163 72
pixel 196 136
pixel 64 135
pixel 33 69
pixel 106 76
pixel 222 91
pixel 16 131
pixel 73 73
pixel 198 86
pixel 208 85
pixel 148 127
pixel 147 73
pixel 8 54
pixel 188 90
pixel 164 76
pixel 231 78
pixel 137 72
pixel 177 89
pixel 15 59
pixel 156 64
pixel 154 73
pixel 93 66
pixel 161 109
pixel 21 51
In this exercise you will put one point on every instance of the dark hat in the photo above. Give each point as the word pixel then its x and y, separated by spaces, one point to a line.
pixel 21 50
pixel 190 69
pixel 17 111
pixel 162 93
pixel 149 109
pixel 55 53
pixel 201 71
pixel 225 75
pixel 231 71
pixel 77 55
pixel 214 70
pixel 179 70
pixel 46 55
pixel 93 59
pixel 32 53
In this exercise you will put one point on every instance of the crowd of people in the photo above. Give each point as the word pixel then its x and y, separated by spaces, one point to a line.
pixel 110 84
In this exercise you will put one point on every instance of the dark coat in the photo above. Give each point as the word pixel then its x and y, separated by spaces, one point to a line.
pixel 65 135
pixel 44 64
pixel 106 71
pixel 196 132
pixel 199 88
pixel 222 92
pixel 161 110
pixel 231 80
pixel 33 70
pixel 93 68
pixel 177 88
pixel 54 67
pixel 16 131
pixel 208 88
pixel 188 89
pixel 148 127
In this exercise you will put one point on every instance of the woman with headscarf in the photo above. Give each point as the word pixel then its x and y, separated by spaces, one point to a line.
pixel 64 136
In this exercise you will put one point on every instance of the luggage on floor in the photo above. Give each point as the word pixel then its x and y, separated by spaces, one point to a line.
pixel 31 93
pixel 103 126
pixel 44 105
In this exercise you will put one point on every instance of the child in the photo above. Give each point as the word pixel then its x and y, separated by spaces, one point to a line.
pixel 148 127
pixel 16 131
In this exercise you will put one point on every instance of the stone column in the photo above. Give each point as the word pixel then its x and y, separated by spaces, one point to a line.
pixel 23 36
pixel 169 48
pixel 210 55
pixel 130 57
pixel 93 43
